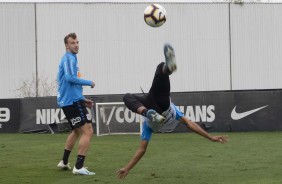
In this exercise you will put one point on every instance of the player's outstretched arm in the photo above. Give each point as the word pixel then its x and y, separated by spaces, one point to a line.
pixel 123 172
pixel 196 128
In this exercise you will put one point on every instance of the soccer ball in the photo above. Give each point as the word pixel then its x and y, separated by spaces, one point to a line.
pixel 155 15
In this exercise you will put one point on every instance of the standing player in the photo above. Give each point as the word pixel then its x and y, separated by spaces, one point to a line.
pixel 159 112
pixel 74 104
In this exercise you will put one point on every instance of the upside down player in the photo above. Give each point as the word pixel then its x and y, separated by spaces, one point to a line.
pixel 159 112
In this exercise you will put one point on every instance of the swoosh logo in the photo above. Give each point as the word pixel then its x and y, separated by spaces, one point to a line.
pixel 237 116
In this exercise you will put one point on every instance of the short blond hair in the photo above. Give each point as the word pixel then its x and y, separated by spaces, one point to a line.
pixel 71 35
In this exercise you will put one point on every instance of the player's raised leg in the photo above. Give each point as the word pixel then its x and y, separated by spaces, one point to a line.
pixel 160 89
pixel 170 58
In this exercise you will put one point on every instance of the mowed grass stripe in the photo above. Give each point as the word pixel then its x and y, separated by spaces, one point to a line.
pixel 248 158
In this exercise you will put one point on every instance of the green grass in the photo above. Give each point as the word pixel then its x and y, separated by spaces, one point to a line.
pixel 248 158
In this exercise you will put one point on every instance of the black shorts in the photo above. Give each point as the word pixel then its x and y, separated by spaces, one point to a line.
pixel 77 114
pixel 158 103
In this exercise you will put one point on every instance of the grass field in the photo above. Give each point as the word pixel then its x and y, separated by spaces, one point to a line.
pixel 248 158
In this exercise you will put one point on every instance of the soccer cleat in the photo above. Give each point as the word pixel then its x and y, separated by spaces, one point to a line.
pixel 61 165
pixel 170 58
pixel 82 171
pixel 155 117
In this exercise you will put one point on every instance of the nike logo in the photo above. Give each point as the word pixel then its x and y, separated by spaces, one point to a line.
pixel 237 116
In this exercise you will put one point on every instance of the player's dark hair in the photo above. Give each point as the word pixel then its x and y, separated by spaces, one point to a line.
pixel 71 35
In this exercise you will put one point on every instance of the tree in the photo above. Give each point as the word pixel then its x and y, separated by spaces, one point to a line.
pixel 37 87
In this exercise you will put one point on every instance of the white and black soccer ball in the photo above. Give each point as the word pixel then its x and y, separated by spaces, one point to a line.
pixel 155 15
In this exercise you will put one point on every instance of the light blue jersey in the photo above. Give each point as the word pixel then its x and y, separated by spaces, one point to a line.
pixel 69 83
pixel 172 119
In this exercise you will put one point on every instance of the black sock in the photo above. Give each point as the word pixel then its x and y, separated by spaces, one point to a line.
pixel 66 156
pixel 144 112
pixel 79 161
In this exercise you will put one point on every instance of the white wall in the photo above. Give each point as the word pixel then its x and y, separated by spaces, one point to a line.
pixel 256 31
pixel 17 47
pixel 120 52
pixel 201 37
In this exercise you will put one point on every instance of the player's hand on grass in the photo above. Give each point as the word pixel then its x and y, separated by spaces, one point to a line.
pixel 88 103
pixel 122 173
pixel 222 139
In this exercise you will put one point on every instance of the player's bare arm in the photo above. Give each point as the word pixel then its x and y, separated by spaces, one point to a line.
pixel 123 172
pixel 196 128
